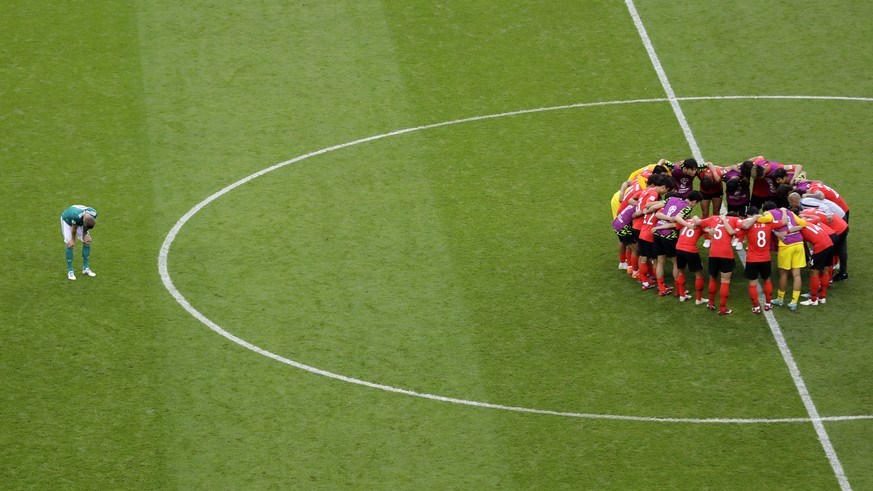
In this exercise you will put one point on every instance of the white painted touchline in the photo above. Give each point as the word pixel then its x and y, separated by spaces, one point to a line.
pixel 808 403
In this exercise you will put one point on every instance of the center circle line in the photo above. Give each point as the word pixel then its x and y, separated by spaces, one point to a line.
pixel 163 269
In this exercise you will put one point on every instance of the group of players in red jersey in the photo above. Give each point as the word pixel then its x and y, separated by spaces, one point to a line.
pixel 769 205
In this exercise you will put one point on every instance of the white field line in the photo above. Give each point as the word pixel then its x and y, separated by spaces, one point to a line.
pixel 811 409
pixel 163 258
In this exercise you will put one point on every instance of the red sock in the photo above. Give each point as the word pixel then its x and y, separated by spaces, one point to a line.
pixel 825 283
pixel 814 285
pixel 768 290
pixel 723 292
pixel 698 285
pixel 753 294
pixel 661 286
pixel 622 257
pixel 680 284
pixel 644 271
pixel 713 286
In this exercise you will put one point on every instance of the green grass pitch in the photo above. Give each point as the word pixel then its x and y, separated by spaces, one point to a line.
pixel 471 261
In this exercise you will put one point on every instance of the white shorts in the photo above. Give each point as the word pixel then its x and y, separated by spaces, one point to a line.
pixel 67 231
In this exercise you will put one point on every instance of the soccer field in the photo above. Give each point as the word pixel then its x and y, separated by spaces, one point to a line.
pixel 367 245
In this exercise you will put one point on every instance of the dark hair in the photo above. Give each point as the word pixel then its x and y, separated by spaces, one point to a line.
pixel 783 191
pixel 752 210
pixel 689 164
pixel 659 169
pixel 671 194
pixel 654 180
pixel 746 168
pixel 769 205
pixel 780 173
pixel 668 181
pixel 759 170
pixel 732 184
pixel 707 182
pixel 695 195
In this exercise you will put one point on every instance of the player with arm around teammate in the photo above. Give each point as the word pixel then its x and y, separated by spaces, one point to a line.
pixel 840 228
pixel 666 235
pixel 791 256
pixel 77 222
pixel 821 238
pixel 688 257
pixel 721 229
pixel 644 221
pixel 758 258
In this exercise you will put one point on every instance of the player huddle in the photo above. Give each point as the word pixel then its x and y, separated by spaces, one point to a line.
pixel 771 207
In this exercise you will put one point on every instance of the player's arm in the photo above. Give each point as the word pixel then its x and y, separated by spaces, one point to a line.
pixel 662 216
pixel 685 223
pixel 623 188
pixel 74 229
pixel 716 175
pixel 664 226
pixel 727 226
pixel 765 218
pixel 818 194
pixel 798 168
pixel 654 205
pixel 748 222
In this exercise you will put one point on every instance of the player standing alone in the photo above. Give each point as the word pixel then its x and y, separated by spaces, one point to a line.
pixel 76 222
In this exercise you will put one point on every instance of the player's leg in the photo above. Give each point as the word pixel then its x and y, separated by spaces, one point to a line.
pixel 714 275
pixel 765 270
pixel 783 285
pixel 843 253
pixel 726 270
pixel 797 284
pixel 67 233
pixel 751 274
pixel 86 259
pixel 798 262
pixel 699 281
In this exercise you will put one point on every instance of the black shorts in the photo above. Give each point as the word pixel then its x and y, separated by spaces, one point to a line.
pixel 690 260
pixel 763 269
pixel 665 246
pixel 717 194
pixel 627 239
pixel 719 265
pixel 822 259
pixel 645 248
pixel 636 234
pixel 758 201
pixel 740 210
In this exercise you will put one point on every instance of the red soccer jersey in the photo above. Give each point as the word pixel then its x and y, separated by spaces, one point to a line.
pixel 837 224
pixel 716 176
pixel 759 184
pixel 720 245
pixel 829 194
pixel 817 236
pixel 648 196
pixel 821 222
pixel 629 195
pixel 760 240
pixel 688 238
